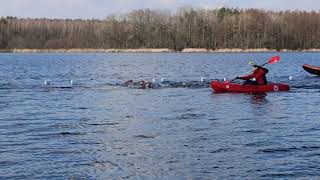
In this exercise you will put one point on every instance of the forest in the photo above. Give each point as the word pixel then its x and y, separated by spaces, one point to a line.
pixel 184 28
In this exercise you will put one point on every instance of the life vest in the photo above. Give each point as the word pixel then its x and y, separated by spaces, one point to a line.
pixel 259 74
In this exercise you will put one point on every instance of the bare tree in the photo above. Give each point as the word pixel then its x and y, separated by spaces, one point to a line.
pixel 187 28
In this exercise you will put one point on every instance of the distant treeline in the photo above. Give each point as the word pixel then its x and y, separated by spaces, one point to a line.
pixel 186 28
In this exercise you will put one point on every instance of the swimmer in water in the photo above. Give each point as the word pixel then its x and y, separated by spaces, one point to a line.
pixel 128 83
pixel 144 84
pixel 139 85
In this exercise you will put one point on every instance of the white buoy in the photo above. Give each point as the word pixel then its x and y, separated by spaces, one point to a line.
pixel 202 79
pixel 71 82
pixel 153 80
pixel 46 82
pixel 224 79
pixel 290 78
pixel 162 79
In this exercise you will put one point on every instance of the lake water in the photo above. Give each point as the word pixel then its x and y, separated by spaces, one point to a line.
pixel 97 129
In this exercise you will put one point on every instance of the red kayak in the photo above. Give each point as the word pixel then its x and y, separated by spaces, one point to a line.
pixel 312 69
pixel 221 87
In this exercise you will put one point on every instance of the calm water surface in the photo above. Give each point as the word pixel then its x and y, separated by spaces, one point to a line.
pixel 96 129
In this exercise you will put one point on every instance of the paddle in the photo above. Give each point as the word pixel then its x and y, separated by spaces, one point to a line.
pixel 272 60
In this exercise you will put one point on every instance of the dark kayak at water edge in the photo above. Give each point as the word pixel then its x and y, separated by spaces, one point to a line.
pixel 226 86
pixel 312 69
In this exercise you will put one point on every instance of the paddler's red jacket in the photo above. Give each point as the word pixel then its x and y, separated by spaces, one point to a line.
pixel 259 74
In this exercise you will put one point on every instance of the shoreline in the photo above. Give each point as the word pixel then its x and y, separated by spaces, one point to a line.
pixel 150 50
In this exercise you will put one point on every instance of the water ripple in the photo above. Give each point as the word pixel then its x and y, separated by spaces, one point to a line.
pixel 97 128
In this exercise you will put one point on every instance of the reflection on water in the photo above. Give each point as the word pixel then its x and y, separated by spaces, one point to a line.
pixel 260 98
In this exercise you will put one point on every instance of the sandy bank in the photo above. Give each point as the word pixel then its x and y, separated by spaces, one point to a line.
pixel 90 50
pixel 146 50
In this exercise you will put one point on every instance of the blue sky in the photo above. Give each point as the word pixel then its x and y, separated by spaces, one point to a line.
pixel 102 8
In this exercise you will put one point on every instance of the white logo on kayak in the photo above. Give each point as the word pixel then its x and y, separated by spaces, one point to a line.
pixel 275 88
pixel 227 86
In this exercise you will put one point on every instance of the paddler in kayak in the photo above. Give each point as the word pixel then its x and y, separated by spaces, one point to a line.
pixel 257 77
